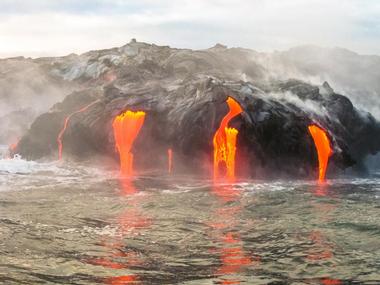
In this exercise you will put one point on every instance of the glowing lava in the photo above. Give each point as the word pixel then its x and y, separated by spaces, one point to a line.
pixel 322 144
pixel 126 127
pixel 65 124
pixel 170 160
pixel 13 147
pixel 225 142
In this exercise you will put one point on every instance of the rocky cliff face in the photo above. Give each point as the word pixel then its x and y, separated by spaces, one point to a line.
pixel 32 86
pixel 183 93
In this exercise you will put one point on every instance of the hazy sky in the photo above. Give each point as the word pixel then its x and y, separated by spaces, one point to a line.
pixel 57 27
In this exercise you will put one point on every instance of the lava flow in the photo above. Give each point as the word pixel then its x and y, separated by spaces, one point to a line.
pixel 126 127
pixel 225 142
pixel 170 160
pixel 65 124
pixel 322 144
pixel 13 147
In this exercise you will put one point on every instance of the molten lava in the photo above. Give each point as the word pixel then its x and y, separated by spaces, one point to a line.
pixel 225 142
pixel 170 160
pixel 126 127
pixel 322 144
pixel 65 124
pixel 13 147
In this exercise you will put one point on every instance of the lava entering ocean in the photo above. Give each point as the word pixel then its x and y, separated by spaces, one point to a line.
pixel 126 127
pixel 225 142
pixel 170 160
pixel 322 144
pixel 65 124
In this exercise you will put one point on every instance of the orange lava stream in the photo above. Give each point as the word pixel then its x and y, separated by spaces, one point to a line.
pixel 65 124
pixel 12 149
pixel 322 144
pixel 225 142
pixel 126 127
pixel 170 160
pixel 13 146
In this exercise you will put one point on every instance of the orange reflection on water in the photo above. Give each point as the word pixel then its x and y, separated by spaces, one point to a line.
pixel 324 249
pixel 127 187
pixel 130 222
pixel 233 257
pixel 226 193
pixel 121 280
pixel 328 281
pixel 132 218
pixel 321 190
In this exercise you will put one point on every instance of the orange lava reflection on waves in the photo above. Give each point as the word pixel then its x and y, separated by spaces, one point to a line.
pixel 322 144
pixel 118 256
pixel 225 142
pixel 328 281
pixel 126 128
pixel 233 257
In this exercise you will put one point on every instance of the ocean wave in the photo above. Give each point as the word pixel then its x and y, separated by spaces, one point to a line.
pixel 20 174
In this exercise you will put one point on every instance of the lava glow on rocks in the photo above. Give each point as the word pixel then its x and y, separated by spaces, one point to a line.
pixel 225 142
pixel 65 124
pixel 322 144
pixel 126 128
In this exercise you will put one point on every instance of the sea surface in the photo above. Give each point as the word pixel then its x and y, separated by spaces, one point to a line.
pixel 65 223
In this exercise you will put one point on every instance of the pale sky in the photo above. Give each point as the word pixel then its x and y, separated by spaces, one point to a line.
pixel 59 27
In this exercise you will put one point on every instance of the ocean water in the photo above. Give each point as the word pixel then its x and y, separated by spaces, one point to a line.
pixel 64 223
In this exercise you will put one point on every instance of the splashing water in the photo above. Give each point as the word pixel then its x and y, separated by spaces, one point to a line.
pixel 225 142
pixel 126 128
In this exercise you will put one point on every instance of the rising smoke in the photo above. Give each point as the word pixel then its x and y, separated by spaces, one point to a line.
pixel 26 90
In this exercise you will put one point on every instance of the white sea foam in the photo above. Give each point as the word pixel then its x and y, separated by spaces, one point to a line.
pixel 3 151
pixel 17 165
pixel 20 174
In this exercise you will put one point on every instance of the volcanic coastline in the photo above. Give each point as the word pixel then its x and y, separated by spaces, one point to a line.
pixel 184 95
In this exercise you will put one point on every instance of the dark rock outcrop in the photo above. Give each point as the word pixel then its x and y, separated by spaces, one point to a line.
pixel 273 136
pixel 36 84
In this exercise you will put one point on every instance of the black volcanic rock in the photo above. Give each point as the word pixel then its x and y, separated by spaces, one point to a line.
pixel 184 92
pixel 37 84
pixel 184 114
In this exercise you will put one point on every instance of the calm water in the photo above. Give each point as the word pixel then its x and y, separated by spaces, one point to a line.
pixel 70 224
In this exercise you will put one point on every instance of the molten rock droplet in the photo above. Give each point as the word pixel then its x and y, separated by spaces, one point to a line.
pixel 126 127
